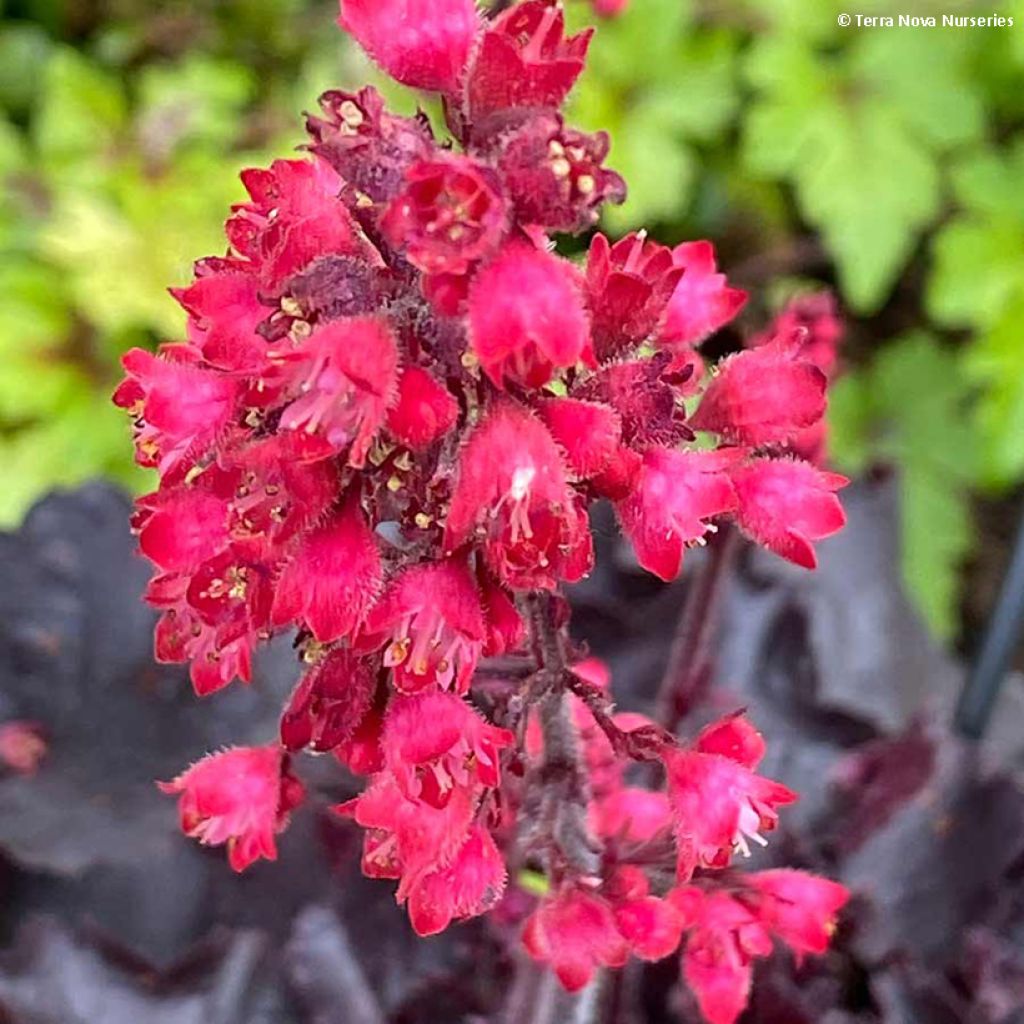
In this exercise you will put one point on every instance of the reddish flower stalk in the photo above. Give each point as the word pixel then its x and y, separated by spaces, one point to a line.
pixel 394 408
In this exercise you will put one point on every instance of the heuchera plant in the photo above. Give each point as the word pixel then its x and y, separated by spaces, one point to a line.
pixel 394 408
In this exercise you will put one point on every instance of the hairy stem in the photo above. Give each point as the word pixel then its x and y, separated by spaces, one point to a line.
pixel 560 833
pixel 690 659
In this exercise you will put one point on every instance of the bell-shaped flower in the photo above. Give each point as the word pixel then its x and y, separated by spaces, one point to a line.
pixel 470 885
pixel 724 936
pixel 347 373
pixel 677 495
pixel 525 60
pixel 449 216
pixel 431 623
pixel 424 44
pixel 703 302
pixel 329 704
pixel 574 933
pixel 333 577
pixel 718 806
pixel 800 908
pixel 435 743
pixel 180 409
pixel 424 411
pixel 526 342
pixel 512 497
pixel 242 797
pixel 762 396
pixel 785 505
pixel 629 285
pixel 555 176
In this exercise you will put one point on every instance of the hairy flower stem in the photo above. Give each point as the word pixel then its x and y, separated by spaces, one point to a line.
pixel 561 779
pixel 690 659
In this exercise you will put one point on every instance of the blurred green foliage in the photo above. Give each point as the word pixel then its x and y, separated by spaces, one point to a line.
pixel 122 131
pixel 887 163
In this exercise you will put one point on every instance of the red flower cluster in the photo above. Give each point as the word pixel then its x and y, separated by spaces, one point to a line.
pixel 395 405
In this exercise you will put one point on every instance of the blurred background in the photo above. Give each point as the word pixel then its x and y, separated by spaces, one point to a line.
pixel 885 164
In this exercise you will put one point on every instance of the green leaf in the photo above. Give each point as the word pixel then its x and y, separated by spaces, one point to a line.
pixel 937 538
pixel 927 78
pixel 910 409
pixel 858 133
pixel 122 251
pixel 977 265
pixel 995 361
pixel 24 50
pixel 851 417
pixel 659 168
pixel 35 380
pixel 989 182
pixel 871 189
pixel 81 110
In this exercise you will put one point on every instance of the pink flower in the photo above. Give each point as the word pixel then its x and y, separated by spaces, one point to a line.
pixel 629 285
pixel 702 302
pixel 732 737
pixel 610 8
pixel 527 342
pixel 505 628
pixel 574 932
pixel 786 505
pixel 349 374
pixel 329 704
pixel 800 908
pixel 678 492
pixel 435 743
pixel 588 433
pixel 225 312
pixel 763 396
pixel 242 797
pixel 631 815
pixel 470 885
pixel 180 409
pixel 718 806
pixel 652 927
pixel 555 176
pixel 525 60
pixel 511 496
pixel 424 411
pixel 407 838
pixel 213 618
pixel 450 215
pixel 275 494
pixel 724 937
pixel 814 321
pixel 432 623
pixel 294 217
pixel 333 578
pixel 421 43
pixel 22 746
pixel 645 393
pixel 180 529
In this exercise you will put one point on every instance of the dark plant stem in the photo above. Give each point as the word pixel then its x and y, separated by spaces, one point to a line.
pixel 690 659
pixel 560 782
pixel 978 699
